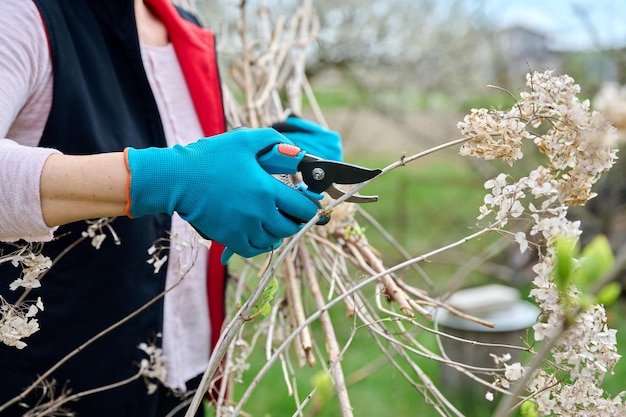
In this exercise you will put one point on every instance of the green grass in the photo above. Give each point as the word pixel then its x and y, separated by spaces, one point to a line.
pixel 333 98
pixel 347 96
pixel 375 387
pixel 424 205
pixel 382 391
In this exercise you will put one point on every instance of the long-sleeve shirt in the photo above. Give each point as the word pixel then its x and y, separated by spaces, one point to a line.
pixel 26 83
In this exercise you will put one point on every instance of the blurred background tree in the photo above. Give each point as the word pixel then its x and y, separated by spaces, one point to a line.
pixel 417 66
pixel 408 49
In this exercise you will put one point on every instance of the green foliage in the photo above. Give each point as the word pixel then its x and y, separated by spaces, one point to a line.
pixel 529 409
pixel 323 383
pixel 357 231
pixel 566 250
pixel 264 305
pixel 609 293
pixel 595 260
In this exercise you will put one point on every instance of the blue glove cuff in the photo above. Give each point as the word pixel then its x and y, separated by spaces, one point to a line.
pixel 150 190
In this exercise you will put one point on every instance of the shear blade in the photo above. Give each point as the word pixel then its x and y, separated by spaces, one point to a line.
pixel 333 172
pixel 336 193
pixel 343 173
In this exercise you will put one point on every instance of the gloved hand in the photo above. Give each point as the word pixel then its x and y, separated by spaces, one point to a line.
pixel 217 185
pixel 311 137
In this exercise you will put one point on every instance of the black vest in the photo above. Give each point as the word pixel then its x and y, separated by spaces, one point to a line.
pixel 102 102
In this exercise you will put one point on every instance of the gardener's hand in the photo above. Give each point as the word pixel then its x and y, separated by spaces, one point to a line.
pixel 311 137
pixel 217 185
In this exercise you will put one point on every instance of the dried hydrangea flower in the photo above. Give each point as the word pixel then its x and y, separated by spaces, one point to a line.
pixel 578 146
pixel 152 367
pixel 18 323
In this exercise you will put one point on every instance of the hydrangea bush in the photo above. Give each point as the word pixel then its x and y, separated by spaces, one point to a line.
pixel 578 145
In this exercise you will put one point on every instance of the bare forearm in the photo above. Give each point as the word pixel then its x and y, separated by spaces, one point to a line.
pixel 82 187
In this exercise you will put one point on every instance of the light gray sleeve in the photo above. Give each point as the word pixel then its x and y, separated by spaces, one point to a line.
pixel 25 73
pixel 20 204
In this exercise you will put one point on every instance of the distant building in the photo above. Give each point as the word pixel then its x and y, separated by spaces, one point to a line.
pixel 520 49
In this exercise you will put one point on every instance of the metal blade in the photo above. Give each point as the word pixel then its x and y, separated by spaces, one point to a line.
pixel 336 193
pixel 319 175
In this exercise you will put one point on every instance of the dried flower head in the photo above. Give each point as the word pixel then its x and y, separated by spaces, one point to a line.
pixel 611 101
pixel 494 135
pixel 33 266
pixel 96 231
pixel 158 255
pixel 153 367
pixel 578 146
pixel 18 323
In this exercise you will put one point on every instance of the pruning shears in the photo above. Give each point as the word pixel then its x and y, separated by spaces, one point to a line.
pixel 318 175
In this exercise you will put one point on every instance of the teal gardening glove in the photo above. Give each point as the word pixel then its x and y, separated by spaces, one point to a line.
pixel 311 137
pixel 217 185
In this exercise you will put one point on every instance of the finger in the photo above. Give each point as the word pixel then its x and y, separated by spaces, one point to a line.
pixel 226 255
pixel 294 205
pixel 250 250
pixel 281 225
pixel 254 138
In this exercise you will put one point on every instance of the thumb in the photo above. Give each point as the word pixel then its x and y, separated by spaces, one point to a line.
pixel 226 255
